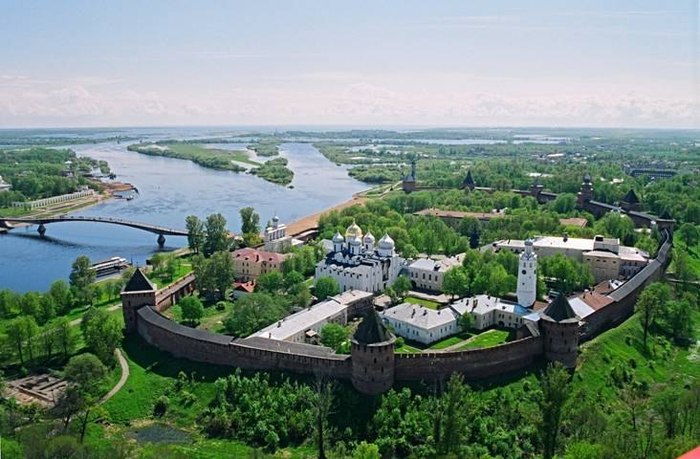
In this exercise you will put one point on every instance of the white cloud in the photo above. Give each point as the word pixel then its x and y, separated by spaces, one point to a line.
pixel 342 99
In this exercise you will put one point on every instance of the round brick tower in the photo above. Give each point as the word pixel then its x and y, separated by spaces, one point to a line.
pixel 559 327
pixel 372 356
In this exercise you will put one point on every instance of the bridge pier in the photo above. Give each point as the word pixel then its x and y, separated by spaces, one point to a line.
pixel 161 241
pixel 41 229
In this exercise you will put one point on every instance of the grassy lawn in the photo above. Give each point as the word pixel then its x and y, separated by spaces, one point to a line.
pixel 407 349
pixel 622 347
pixel 152 374
pixel 211 319
pixel 162 279
pixel 487 339
pixel 427 303
pixel 451 341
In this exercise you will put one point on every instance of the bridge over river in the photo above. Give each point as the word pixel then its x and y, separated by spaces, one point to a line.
pixel 162 231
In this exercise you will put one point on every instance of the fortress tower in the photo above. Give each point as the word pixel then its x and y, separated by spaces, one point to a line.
pixel 630 202
pixel 586 193
pixel 468 182
pixel 527 276
pixel 372 356
pixel 138 292
pixel 409 181
pixel 559 327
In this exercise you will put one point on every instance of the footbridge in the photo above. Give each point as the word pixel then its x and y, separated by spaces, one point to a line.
pixel 161 231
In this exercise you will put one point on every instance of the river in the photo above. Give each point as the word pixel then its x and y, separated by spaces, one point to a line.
pixel 170 190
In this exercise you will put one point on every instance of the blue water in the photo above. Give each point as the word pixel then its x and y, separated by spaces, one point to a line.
pixel 170 190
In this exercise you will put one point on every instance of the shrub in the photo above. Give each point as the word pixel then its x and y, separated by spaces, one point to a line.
pixel 161 406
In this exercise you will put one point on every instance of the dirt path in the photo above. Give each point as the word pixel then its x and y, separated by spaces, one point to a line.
pixel 122 380
pixel 77 321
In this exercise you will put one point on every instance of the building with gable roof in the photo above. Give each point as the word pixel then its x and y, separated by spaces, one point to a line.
pixel 249 263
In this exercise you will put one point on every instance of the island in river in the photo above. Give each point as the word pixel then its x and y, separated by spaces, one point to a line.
pixel 274 170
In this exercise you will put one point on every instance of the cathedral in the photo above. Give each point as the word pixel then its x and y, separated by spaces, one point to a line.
pixel 360 262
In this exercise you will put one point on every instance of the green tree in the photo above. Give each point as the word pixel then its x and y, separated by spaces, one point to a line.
pixel 222 271
pixel 250 221
pixel 21 332
pixel 253 312
pixel 554 385
pixel 325 287
pixel 85 370
pixel 455 282
pixel 192 309
pixel 216 239
pixel 102 333
pixel 195 233
pixel 81 280
pixel 271 282
pixel 652 300
pixel 62 296
pixel 366 450
pixel 292 279
pixel 401 286
pixel 450 416
pixel 85 374
pixel 30 305
pixel 689 234
pixel 678 318
pixel 66 337
pixel 333 335
pixel 466 321
pixel 564 203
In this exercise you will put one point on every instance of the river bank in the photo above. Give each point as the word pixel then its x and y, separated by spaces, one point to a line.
pixel 169 191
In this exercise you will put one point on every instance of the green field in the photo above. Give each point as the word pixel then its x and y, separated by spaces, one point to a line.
pixel 451 341
pixel 486 339
pixel 621 350
pixel 427 303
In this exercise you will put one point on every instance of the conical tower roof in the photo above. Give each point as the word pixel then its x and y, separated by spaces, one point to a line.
pixel 468 180
pixel 631 197
pixel 560 310
pixel 139 283
pixel 371 330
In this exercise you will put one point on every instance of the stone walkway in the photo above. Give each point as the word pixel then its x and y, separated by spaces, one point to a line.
pixel 122 380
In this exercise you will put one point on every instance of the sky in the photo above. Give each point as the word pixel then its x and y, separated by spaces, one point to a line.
pixel 354 63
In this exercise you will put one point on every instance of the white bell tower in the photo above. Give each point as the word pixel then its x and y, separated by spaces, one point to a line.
pixel 527 276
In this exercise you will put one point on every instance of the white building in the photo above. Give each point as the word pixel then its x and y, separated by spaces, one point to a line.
pixel 421 324
pixel 605 256
pixel 276 239
pixel 527 276
pixel 304 326
pixel 490 311
pixel 4 186
pixel 355 262
pixel 427 274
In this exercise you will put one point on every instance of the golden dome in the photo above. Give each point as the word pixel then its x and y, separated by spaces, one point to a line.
pixel 353 231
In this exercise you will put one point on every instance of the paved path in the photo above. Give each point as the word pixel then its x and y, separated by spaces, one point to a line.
pixel 122 380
